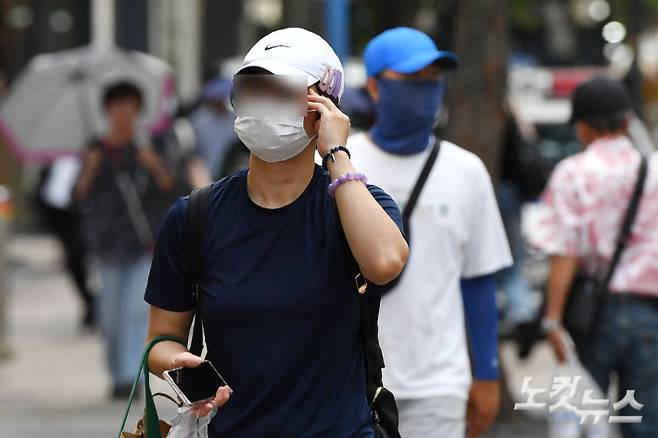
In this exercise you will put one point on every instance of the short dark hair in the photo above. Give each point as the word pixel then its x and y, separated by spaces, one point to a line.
pixel 122 90
pixel 609 123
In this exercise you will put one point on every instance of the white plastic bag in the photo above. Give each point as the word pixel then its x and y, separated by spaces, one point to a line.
pixel 188 425
pixel 565 422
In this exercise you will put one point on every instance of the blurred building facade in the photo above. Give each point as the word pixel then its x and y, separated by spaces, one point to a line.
pixel 191 35
pixel 194 35
pixel 197 36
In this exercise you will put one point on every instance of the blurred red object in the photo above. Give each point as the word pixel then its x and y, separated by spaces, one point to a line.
pixel 565 80
pixel 6 204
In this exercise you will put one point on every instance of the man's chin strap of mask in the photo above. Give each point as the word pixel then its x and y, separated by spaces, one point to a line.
pixel 406 112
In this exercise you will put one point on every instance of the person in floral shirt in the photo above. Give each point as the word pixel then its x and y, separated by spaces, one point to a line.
pixel 582 211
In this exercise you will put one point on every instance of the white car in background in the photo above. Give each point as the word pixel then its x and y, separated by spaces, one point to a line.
pixel 540 97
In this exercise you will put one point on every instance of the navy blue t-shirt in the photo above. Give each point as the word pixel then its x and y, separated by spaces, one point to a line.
pixel 280 309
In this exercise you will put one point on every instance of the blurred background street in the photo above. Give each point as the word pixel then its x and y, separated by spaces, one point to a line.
pixel 54 384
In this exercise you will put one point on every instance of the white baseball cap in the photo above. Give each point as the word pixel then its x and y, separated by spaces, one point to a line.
pixel 297 51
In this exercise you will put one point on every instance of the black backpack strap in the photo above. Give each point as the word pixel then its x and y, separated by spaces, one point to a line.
pixel 373 357
pixel 418 186
pixel 381 401
pixel 411 204
pixel 195 238
pixel 627 223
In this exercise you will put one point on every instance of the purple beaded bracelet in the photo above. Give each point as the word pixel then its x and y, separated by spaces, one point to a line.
pixel 349 176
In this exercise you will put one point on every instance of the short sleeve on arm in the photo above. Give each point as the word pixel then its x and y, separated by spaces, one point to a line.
pixel 486 249
pixel 561 226
pixel 168 286
pixel 388 204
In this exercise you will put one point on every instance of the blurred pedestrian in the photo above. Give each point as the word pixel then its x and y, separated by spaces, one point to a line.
pixel 523 174
pixel 179 145
pixel 61 216
pixel 587 196
pixel 278 298
pixel 213 125
pixel 123 188
pixel 456 235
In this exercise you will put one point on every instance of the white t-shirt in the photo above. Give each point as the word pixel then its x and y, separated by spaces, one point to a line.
pixel 456 232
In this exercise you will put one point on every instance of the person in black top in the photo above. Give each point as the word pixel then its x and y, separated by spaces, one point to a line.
pixel 124 188
pixel 284 240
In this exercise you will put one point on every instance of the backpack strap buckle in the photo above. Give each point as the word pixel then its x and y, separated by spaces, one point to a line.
pixel 361 283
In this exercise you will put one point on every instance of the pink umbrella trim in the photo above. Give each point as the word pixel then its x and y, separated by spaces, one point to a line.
pixel 165 114
pixel 25 154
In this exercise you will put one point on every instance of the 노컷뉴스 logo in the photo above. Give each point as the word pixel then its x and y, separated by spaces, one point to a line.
pixel 568 394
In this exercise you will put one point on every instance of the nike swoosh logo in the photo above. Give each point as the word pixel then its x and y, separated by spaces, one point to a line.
pixel 274 47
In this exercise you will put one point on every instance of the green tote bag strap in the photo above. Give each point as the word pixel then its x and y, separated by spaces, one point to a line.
pixel 151 420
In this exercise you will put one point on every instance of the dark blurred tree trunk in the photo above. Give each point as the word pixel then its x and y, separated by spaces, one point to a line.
pixel 397 13
pixel 637 16
pixel 477 90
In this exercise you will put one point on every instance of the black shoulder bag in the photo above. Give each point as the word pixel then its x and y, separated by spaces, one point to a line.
pixel 411 204
pixel 588 293
pixel 381 401
pixel 195 239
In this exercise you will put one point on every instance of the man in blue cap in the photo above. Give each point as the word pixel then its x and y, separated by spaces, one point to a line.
pixel 457 243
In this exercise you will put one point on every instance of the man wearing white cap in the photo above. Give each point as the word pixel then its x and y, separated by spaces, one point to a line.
pixel 457 243
pixel 279 304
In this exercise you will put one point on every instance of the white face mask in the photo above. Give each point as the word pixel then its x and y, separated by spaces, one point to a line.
pixel 274 138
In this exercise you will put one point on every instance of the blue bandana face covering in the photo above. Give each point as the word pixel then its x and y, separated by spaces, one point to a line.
pixel 406 112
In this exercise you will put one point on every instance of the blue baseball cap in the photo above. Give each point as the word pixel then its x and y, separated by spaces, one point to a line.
pixel 405 50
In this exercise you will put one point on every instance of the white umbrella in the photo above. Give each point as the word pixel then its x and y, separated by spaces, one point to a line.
pixel 55 106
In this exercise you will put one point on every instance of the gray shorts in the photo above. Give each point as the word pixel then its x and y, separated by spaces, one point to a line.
pixel 442 417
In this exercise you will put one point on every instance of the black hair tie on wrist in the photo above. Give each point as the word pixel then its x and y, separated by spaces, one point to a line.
pixel 332 154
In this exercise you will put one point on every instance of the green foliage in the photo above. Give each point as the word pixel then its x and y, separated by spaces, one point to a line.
pixel 524 14
pixel 652 6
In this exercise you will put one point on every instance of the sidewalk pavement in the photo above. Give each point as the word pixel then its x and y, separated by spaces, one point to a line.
pixel 55 385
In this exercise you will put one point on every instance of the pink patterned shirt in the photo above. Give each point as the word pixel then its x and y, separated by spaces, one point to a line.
pixel 582 210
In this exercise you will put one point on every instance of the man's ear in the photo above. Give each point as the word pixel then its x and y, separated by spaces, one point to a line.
pixel 627 124
pixel 310 120
pixel 373 89
pixel 583 132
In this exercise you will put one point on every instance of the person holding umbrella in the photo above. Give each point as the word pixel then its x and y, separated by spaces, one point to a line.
pixel 54 109
pixel 457 243
pixel 122 188
pixel 73 82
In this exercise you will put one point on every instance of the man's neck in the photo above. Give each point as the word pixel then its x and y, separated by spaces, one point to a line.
pixel 607 137
pixel 275 185
pixel 119 137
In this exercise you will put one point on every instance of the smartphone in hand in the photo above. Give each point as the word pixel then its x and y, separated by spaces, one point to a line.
pixel 195 385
